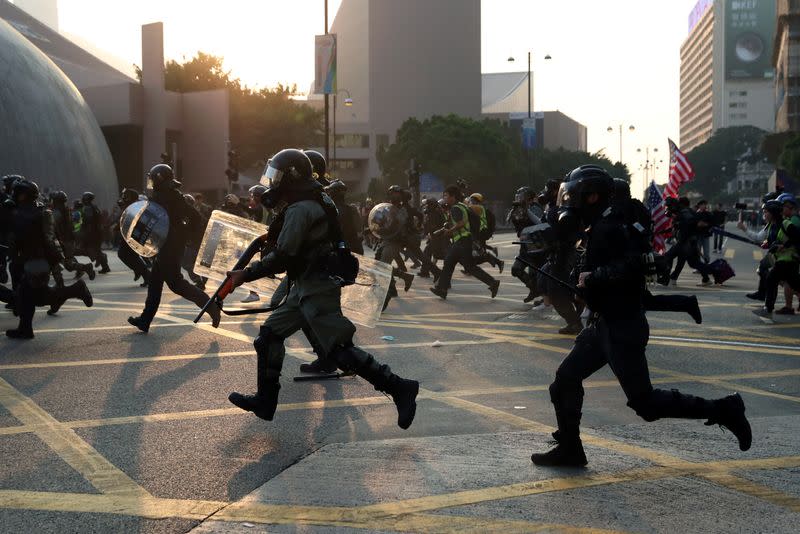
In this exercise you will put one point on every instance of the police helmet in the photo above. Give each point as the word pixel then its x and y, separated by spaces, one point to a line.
pixel 394 189
pixel 442 203
pixel 9 179
pixel 87 197
pixel 784 198
pixel 524 194
pixel 586 180
pixel 318 162
pixel 129 196
pixel 25 187
pixel 161 177
pixel 58 197
pixel 231 199
pixel 189 199
pixel 476 198
pixel 257 190
pixel 289 170
pixel 622 190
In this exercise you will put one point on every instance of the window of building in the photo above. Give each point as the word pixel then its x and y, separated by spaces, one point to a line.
pixel 344 164
pixel 352 141
pixel 381 140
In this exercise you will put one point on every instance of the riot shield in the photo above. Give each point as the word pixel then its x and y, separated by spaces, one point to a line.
pixel 386 220
pixel 144 226
pixel 226 238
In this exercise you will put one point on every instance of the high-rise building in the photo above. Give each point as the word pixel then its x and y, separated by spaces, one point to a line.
pixel 786 60
pixel 398 60
pixel 726 76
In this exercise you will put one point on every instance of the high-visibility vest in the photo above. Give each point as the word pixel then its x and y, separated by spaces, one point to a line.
pixel 481 211
pixel 464 231
pixel 788 253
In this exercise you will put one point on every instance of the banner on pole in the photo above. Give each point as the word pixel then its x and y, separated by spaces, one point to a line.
pixel 529 133
pixel 325 64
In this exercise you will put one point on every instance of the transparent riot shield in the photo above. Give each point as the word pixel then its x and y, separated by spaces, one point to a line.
pixel 144 225
pixel 226 238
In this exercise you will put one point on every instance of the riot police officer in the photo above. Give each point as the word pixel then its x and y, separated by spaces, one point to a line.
pixel 183 219
pixel 33 249
pixel 612 282
pixel 437 243
pixel 92 230
pixel 319 166
pixel 349 217
pixel 523 215
pixel 5 223
pixel 305 242
pixel 62 221
pixel 125 253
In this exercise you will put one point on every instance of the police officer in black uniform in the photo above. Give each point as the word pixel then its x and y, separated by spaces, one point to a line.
pixel 65 234
pixel 5 223
pixel 33 249
pixel 305 242
pixel 125 253
pixel 349 218
pixel 437 243
pixel 612 283
pixel 183 219
pixel 521 216
pixel 92 230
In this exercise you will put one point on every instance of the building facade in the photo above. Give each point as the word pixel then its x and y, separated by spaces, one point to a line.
pixel 726 73
pixel 786 60
pixel 398 60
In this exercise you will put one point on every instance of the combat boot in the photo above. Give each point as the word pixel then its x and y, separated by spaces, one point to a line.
pixel 89 270
pixel 730 414
pixel 263 404
pixel 18 333
pixel 407 279
pixel 566 453
pixel 104 264
pixel 441 293
pixel 404 394
pixel 215 314
pixel 139 323
pixel 318 366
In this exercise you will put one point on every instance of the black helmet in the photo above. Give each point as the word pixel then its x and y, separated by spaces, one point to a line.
pixel 27 187
pixel 429 204
pixel 774 207
pixel 318 163
pixel 162 177
pixel 394 189
pixel 337 189
pixel 583 182
pixel 87 197
pixel 524 194
pixel 59 197
pixel 129 195
pixel 622 190
pixel 288 171
pixel 257 190
pixel 9 179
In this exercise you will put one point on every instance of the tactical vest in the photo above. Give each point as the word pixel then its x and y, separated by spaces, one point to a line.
pixel 482 214
pixel 465 230
pixel 789 253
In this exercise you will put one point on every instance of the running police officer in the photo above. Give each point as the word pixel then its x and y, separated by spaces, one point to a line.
pixel 612 282
pixel 126 254
pixel 305 242
pixel 65 234
pixel 92 230
pixel 167 264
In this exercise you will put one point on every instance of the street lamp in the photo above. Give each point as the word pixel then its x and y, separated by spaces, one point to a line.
pixel 348 103
pixel 610 129
pixel 650 166
pixel 547 57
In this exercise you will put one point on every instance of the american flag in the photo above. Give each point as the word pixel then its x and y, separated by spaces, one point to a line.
pixel 680 171
pixel 655 203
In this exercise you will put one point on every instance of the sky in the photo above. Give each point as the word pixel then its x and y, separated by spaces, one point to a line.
pixel 613 62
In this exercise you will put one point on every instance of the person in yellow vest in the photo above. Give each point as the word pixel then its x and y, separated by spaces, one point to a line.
pixel 485 233
pixel 462 222
pixel 787 256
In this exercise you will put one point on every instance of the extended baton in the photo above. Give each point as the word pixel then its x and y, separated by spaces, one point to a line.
pixel 562 283
pixel 720 231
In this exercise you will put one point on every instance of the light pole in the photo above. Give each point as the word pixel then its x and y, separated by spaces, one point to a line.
pixel 610 129
pixel 547 57
pixel 327 101
pixel 650 166
pixel 348 102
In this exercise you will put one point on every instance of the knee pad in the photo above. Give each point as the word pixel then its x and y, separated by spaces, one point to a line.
pixel 350 357
pixel 266 338
pixel 645 407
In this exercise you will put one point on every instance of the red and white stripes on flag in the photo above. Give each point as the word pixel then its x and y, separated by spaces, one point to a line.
pixel 680 171
pixel 655 203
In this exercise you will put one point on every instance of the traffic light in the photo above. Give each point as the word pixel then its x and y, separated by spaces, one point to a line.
pixel 232 172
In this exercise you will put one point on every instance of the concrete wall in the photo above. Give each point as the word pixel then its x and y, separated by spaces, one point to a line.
pixel 204 147
pixel 155 97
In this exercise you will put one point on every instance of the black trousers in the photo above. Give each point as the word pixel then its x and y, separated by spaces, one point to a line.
pixel 133 261
pixel 783 271
pixel 619 343
pixel 167 269
pixel 667 303
pixel 719 239
pixel 34 291
pixel 687 253
pixel 413 251
pixel 93 249
pixel 461 252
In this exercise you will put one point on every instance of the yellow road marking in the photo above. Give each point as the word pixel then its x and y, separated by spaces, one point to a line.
pixel 101 473
pixel 730 254
pixel 758 255
pixel 725 384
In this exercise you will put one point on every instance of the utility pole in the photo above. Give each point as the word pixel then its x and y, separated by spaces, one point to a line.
pixel 327 103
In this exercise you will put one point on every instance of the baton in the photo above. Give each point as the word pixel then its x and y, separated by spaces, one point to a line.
pixel 720 231
pixel 226 288
pixel 555 279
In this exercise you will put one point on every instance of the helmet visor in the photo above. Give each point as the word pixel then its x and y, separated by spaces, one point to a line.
pixel 272 177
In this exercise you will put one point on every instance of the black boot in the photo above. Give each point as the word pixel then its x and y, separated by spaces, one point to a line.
pixel 89 270
pixel 756 296
pixel 318 366
pixel 139 323
pixel 694 311
pixel 532 294
pixel 265 401
pixel 104 263
pixel 403 392
pixel 19 334
pixel 730 414
pixel 566 453
pixel 407 279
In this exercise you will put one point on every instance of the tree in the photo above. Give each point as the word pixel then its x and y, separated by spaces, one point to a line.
pixel 262 121
pixel 789 160
pixel 487 153
pixel 716 160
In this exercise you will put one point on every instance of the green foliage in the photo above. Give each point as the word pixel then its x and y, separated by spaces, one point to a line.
pixel 487 153
pixel 715 161
pixel 790 157
pixel 261 121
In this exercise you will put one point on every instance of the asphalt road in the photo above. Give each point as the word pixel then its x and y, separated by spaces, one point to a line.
pixel 104 429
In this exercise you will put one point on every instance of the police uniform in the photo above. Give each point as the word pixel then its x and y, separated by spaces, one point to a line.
pixel 62 224
pixel 302 249
pixel 125 253
pixel 617 333
pixel 92 230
